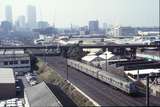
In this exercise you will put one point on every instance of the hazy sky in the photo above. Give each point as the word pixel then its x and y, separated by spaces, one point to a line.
pixel 79 12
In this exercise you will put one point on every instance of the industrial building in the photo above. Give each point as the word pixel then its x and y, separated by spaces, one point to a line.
pixel 93 26
pixel 16 59
pixel 124 31
pixel 142 73
pixel 40 96
pixel 7 83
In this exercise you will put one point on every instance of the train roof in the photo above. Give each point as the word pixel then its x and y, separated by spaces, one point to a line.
pixel 118 74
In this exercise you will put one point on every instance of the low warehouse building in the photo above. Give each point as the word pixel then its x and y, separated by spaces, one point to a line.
pixel 7 83
pixel 92 60
pixel 40 96
pixel 142 73
pixel 16 59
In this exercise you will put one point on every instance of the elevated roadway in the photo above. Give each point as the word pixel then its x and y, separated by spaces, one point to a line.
pixel 81 46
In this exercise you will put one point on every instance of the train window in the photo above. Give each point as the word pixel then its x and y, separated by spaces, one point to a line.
pixel 86 70
pixel 101 76
pixel 110 79
pixel 157 93
pixel 126 86
pixel 151 90
pixel 114 81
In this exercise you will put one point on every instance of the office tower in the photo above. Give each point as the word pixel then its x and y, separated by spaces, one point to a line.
pixel 21 21
pixel 6 26
pixel 42 24
pixel 84 30
pixel 8 13
pixel 124 31
pixel 104 26
pixel 93 26
pixel 31 16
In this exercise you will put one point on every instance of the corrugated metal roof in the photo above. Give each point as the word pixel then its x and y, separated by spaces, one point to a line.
pixel 93 50
pixel 7 75
pixel 41 96
pixel 109 55
pixel 10 52
pixel 143 71
pixel 89 58
pixel 91 54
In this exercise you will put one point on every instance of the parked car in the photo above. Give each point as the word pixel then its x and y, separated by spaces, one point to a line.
pixel 31 78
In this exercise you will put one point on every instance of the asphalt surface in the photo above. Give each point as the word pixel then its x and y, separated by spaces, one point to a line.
pixel 102 93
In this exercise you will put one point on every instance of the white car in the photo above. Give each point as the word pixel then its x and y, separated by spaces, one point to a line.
pixel 2 104
pixel 33 82
pixel 11 105
pixel 20 103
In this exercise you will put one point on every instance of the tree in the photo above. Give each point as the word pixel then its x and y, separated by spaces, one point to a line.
pixel 75 52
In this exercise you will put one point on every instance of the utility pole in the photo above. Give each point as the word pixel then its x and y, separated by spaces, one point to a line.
pixel 138 74
pixel 147 91
pixel 67 64
pixel 147 88
pixel 44 57
pixel 45 53
pixel 106 63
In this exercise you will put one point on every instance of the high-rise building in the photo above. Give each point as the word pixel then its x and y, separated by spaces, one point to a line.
pixel 84 30
pixel 42 24
pixel 31 16
pixel 21 20
pixel 20 23
pixel 93 26
pixel 6 26
pixel 8 13
pixel 124 31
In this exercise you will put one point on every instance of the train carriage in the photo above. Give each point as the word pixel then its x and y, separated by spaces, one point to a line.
pixel 123 84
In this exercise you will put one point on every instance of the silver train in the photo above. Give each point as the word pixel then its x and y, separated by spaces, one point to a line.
pixel 124 84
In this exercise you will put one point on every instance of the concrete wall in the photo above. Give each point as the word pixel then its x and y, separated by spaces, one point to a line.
pixel 26 100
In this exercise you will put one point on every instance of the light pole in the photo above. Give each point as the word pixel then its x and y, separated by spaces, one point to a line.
pixel 147 88
pixel 106 62
pixel 45 59
pixel 67 63
pixel 138 74
pixel 147 91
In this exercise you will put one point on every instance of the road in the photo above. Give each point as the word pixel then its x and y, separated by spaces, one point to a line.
pixel 81 46
pixel 102 93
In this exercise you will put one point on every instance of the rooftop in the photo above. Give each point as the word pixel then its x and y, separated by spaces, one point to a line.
pixel 7 75
pixel 91 58
pixel 10 52
pixel 42 97
pixel 143 71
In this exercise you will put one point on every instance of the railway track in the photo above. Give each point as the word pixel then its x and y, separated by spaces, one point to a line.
pixel 102 93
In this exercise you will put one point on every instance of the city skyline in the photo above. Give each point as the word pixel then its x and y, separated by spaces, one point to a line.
pixel 63 14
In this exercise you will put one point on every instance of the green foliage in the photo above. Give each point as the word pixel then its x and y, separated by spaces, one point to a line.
pixel 75 52
pixel 51 76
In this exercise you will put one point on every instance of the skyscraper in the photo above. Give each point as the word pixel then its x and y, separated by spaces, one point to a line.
pixel 8 13
pixel 31 16
pixel 21 20
pixel 93 26
pixel 20 23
